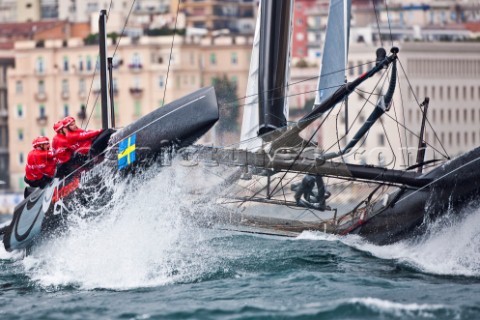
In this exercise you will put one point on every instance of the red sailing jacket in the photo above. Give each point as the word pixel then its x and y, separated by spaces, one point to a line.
pixel 61 148
pixel 40 163
pixel 80 141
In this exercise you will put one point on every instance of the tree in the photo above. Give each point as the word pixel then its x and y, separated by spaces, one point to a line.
pixel 226 91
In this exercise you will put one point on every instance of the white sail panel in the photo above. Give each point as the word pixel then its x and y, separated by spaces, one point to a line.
pixel 335 49
pixel 250 110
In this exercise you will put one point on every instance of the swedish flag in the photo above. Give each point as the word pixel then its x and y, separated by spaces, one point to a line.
pixel 126 151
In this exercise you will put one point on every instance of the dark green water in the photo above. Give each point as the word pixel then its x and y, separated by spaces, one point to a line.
pixel 208 274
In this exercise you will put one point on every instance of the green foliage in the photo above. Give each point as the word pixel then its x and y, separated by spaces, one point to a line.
pixel 163 32
pixel 226 91
pixel 301 64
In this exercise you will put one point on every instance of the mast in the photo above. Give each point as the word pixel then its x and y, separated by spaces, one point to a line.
pixel 273 63
pixel 421 142
pixel 102 39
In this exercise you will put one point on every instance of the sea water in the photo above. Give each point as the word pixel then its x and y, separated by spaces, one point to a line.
pixel 142 259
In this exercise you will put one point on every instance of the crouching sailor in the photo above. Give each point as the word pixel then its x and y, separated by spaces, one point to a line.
pixel 80 141
pixel 85 143
pixel 41 163
pixel 312 200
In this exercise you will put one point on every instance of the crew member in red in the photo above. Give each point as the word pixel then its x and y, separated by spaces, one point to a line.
pixel 61 149
pixel 41 164
pixel 79 140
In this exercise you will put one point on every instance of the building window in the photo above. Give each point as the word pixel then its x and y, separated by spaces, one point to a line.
pixel 213 58
pixel 449 92
pixel 41 86
pixel 381 140
pixel 19 87
pixel 41 111
pixel 234 58
pixel 458 138
pixel 89 63
pixel 351 68
pixel 473 115
pixel 450 138
pixel 21 158
pixel 65 86
pixel 65 63
pixel 441 116
pixel 80 63
pixel 66 112
pixel 138 108
pixel 40 65
pixel 441 93
pixel 20 134
pixel 19 111
pixel 136 61
pixel 457 115
pixel 42 131
pixel 81 86
pixel 474 138
pixel 465 116
pixel 360 67
pixel 161 81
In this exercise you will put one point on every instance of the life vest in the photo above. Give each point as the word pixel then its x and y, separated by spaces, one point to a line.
pixel 61 148
pixel 40 163
pixel 80 141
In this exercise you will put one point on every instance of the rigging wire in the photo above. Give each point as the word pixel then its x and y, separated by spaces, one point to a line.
pixel 378 22
pixel 124 27
pixel 388 20
pixel 109 7
pixel 171 50
pixel 428 121
pixel 97 60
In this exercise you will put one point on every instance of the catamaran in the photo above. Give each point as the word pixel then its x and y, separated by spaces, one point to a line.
pixel 273 159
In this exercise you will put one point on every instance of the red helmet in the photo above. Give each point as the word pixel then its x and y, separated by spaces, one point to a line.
pixel 58 125
pixel 68 120
pixel 39 141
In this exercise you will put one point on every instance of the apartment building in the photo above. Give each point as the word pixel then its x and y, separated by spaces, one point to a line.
pixel 6 61
pixel 237 16
pixel 447 73
pixel 54 81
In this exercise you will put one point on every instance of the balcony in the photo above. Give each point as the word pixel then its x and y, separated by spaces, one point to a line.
pixel 41 96
pixel 136 92
pixel 65 95
pixel 135 67
pixel 42 120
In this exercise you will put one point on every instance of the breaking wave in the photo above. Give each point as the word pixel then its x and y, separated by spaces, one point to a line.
pixel 143 240
pixel 451 246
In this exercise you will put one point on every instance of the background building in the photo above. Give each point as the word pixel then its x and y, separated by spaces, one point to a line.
pixel 54 81
pixel 236 16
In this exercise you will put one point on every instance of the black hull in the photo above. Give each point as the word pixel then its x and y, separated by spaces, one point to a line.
pixel 177 125
pixel 455 185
